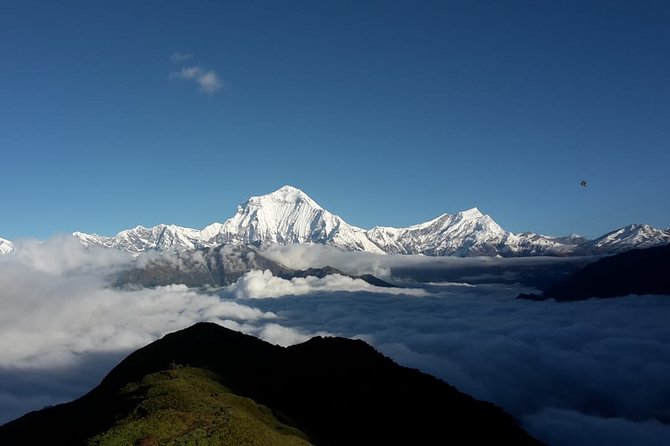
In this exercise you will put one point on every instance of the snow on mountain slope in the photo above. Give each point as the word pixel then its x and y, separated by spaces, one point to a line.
pixel 6 246
pixel 468 233
pixel 628 237
pixel 529 243
pixel 140 239
pixel 288 215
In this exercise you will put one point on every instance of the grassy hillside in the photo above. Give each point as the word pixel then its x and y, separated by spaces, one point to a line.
pixel 189 406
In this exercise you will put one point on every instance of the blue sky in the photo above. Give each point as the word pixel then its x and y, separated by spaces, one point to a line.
pixel 386 113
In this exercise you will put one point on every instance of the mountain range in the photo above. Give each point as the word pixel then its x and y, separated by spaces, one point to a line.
pixel 288 215
pixel 209 385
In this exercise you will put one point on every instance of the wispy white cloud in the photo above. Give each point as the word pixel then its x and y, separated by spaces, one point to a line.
pixel 207 80
pixel 189 73
pixel 178 57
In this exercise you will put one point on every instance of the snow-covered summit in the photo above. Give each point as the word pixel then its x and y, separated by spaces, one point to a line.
pixel 288 215
pixel 470 214
pixel 287 195
pixel 6 246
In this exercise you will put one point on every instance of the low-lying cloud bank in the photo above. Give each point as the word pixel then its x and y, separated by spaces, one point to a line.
pixel 65 255
pixel 262 284
pixel 602 365
pixel 592 372
pixel 567 427
pixel 303 256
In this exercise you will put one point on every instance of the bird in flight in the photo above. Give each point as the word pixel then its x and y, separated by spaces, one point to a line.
pixel 583 183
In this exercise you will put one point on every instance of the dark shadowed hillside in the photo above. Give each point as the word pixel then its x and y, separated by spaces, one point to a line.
pixel 639 271
pixel 336 391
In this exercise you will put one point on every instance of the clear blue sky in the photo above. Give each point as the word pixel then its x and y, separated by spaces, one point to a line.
pixel 385 112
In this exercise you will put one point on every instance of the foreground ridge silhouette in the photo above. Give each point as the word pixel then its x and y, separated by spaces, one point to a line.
pixel 336 391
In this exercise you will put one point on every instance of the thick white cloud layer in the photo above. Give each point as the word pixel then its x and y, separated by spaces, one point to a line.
pixel 262 284
pixel 604 361
pixel 592 372
pixel 58 315
pixel 65 255
pixel 317 256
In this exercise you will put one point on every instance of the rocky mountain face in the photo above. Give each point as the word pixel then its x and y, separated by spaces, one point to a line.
pixel 336 391
pixel 215 267
pixel 288 215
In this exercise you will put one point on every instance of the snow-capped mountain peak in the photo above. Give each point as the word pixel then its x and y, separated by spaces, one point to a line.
pixel 6 246
pixel 288 215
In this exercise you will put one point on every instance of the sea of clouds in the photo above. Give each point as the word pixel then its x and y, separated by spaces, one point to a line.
pixel 591 372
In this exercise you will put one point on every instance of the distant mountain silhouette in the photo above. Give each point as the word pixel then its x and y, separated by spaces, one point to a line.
pixel 337 391
pixel 639 271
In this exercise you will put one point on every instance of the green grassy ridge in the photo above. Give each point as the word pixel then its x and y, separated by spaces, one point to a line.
pixel 189 406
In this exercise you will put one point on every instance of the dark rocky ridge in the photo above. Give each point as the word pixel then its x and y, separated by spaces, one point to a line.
pixel 337 391
pixel 639 271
